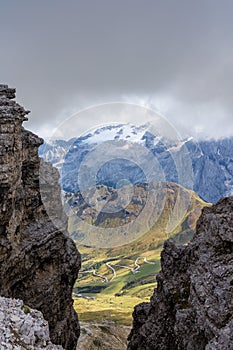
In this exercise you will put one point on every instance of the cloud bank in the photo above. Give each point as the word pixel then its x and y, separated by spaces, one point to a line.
pixel 174 56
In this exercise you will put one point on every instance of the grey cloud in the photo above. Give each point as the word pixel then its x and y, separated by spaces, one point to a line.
pixel 63 56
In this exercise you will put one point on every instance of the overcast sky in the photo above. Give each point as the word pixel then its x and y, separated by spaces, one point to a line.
pixel 173 56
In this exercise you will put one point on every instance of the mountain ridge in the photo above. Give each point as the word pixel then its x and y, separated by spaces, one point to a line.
pixel 210 169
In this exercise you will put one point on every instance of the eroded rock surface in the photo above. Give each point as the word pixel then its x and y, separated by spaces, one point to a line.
pixel 39 263
pixel 23 328
pixel 192 306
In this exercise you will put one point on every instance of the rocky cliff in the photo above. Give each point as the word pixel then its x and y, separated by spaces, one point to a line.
pixel 39 263
pixel 23 328
pixel 192 306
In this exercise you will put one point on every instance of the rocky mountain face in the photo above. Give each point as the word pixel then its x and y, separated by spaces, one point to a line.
pixel 210 161
pixel 212 168
pixel 23 328
pixel 192 306
pixel 39 263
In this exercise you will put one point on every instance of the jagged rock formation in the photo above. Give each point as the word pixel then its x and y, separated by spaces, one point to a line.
pixel 39 263
pixel 192 306
pixel 23 328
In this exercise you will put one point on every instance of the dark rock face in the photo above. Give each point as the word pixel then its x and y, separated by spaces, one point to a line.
pixel 192 306
pixel 39 263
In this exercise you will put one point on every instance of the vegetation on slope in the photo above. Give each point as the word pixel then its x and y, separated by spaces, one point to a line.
pixel 112 297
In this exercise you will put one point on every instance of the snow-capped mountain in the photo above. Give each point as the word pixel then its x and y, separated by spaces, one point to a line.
pixel 124 153
pixel 55 151
pixel 117 132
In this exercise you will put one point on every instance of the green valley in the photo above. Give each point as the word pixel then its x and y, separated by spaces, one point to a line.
pixel 114 279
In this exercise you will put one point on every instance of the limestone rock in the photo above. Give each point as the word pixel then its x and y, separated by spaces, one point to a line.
pixel 39 263
pixel 23 328
pixel 192 306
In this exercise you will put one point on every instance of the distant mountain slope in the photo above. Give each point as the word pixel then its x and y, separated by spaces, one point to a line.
pixel 211 161
pixel 147 213
pixel 125 273
pixel 173 213
pixel 99 336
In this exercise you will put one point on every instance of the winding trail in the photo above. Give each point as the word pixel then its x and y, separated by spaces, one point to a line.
pixel 134 270
pixel 145 260
pixel 95 274
pixel 113 270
